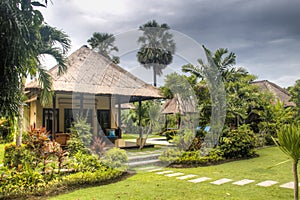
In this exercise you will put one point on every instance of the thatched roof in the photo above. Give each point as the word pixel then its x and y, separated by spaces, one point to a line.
pixel 91 73
pixel 278 92
pixel 178 105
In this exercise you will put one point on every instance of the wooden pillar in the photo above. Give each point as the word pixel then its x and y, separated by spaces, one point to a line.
pixel 81 105
pixel 53 115
pixel 119 116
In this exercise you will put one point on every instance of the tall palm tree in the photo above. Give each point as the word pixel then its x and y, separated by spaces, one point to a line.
pixel 55 43
pixel 289 142
pixel 103 43
pixel 157 47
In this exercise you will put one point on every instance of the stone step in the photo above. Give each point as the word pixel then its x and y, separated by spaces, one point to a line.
pixel 143 163
pixel 143 157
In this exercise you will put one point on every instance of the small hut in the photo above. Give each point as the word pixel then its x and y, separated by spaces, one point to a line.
pixel 178 105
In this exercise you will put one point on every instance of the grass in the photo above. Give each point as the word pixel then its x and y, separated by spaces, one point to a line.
pixel 2 152
pixel 153 186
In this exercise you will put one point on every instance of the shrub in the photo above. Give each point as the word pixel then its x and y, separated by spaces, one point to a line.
pixel 116 158
pixel 81 129
pixel 183 139
pixel 175 157
pixel 75 145
pixel 19 185
pixel 22 183
pixel 98 146
pixel 170 134
pixel 16 157
pixel 239 143
pixel 83 162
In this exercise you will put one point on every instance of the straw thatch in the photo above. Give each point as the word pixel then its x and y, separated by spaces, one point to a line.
pixel 278 92
pixel 91 73
pixel 178 105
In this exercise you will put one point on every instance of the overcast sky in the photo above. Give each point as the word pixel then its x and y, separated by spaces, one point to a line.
pixel 264 34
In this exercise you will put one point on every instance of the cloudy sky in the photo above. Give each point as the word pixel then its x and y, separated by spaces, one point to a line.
pixel 264 34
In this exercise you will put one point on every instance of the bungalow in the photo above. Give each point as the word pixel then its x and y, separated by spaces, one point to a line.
pixel 92 85
pixel 279 93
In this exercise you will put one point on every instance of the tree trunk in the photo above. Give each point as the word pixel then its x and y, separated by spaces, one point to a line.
pixel 21 115
pixel 154 76
pixel 296 187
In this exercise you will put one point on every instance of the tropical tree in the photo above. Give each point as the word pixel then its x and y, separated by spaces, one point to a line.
pixel 24 37
pixel 54 43
pixel 295 96
pixel 103 43
pixel 289 142
pixel 19 24
pixel 223 64
pixel 157 47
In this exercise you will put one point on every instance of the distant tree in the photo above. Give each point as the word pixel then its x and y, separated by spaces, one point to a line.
pixel 103 43
pixel 295 95
pixel 157 47
pixel 289 142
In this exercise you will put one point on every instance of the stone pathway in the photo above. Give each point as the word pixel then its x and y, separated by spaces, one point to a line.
pixel 193 178
pixel 267 183
pixel 243 182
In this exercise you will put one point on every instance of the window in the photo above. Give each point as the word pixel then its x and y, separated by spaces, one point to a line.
pixel 48 117
pixel 71 115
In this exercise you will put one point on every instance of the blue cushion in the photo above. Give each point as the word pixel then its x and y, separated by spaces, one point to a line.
pixel 111 133
pixel 207 128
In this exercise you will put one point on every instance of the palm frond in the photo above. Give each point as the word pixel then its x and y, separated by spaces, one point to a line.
pixel 45 81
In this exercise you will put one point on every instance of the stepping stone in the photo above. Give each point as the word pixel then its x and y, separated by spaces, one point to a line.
pixel 267 183
pixel 198 180
pixel 243 182
pixel 155 170
pixel 186 176
pixel 164 172
pixel 175 174
pixel 221 181
pixel 289 185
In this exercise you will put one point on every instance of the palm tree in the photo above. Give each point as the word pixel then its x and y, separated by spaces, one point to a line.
pixel 289 142
pixel 55 43
pixel 103 43
pixel 157 47
pixel 222 63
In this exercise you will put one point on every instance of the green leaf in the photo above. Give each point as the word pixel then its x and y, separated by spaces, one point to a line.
pixel 36 3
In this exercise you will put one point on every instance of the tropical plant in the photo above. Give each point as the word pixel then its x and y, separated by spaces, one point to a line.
pixel 157 47
pixel 289 142
pixel 103 43
pixel 115 158
pixel 82 129
pixel 24 38
pixel 223 64
pixel 19 24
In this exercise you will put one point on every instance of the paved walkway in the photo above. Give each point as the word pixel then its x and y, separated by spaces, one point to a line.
pixel 157 141
pixel 194 178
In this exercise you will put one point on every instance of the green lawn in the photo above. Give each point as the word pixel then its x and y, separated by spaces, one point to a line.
pixel 153 186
